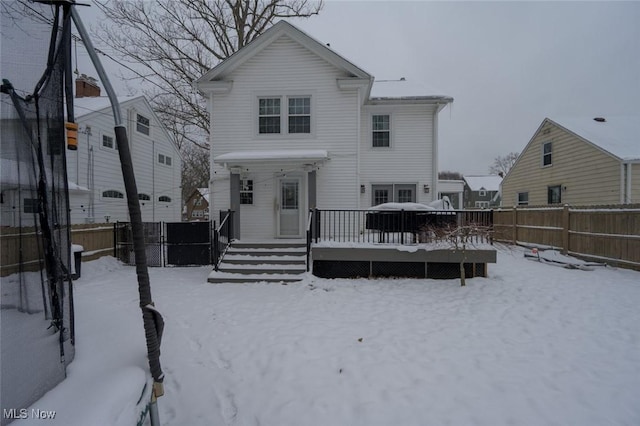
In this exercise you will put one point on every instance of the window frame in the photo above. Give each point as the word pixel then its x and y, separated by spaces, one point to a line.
pixel 284 115
pixel 30 206
pixel 548 155
pixel 246 192
pixel 393 192
pixel 551 189
pixel 519 198
pixel 112 194
pixel 388 130
pixel 141 125
pixel 297 115
pixel 267 115
pixel 114 145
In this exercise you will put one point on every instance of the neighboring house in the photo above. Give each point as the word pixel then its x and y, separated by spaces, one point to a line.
pixel 584 161
pixel 197 205
pixel 97 192
pixel 296 126
pixel 482 192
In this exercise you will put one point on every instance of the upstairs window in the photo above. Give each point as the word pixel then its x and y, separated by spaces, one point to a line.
pixel 164 199
pixel 299 115
pixel 164 159
pixel 144 197
pixel 269 115
pixel 107 142
pixel 546 154
pixel 381 131
pixel 142 124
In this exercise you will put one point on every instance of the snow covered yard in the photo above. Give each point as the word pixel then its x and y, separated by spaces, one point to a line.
pixel 533 344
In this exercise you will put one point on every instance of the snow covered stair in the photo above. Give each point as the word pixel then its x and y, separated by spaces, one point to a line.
pixel 247 262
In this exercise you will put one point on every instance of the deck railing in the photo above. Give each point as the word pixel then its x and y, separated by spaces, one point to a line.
pixel 396 226
pixel 222 236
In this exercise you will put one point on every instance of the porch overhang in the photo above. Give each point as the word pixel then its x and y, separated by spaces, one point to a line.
pixel 305 159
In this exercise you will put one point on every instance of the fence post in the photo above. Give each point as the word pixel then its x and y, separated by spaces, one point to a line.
pixel 565 229
pixel 115 241
pixel 402 219
pixel 514 217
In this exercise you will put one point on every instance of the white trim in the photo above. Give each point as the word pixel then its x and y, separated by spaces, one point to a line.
pixel 380 148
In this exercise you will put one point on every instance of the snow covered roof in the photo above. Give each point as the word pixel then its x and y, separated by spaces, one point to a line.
pixel 404 89
pixel 205 193
pixel 487 183
pixel 290 155
pixel 618 135
pixel 84 106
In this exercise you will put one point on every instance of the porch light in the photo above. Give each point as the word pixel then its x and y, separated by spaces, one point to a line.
pixel 425 188
pixel 362 189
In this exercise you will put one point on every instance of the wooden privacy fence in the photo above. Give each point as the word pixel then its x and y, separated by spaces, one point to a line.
pixel 608 234
pixel 20 245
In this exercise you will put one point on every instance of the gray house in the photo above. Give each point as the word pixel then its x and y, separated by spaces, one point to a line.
pixel 482 192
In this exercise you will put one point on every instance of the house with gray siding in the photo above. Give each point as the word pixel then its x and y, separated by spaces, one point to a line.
pixel 578 161
pixel 296 126
pixel 481 192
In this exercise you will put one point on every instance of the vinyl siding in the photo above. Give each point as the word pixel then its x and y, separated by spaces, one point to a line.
pixel 152 178
pixel 591 177
pixel 635 183
pixel 286 68
pixel 409 159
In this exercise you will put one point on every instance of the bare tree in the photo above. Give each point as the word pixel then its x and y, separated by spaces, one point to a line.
pixel 501 165
pixel 449 175
pixel 459 238
pixel 195 169
pixel 171 43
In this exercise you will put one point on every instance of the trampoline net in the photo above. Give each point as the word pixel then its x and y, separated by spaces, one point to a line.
pixel 36 324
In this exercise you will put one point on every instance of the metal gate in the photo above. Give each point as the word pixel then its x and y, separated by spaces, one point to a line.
pixel 123 239
pixel 188 243
pixel 176 243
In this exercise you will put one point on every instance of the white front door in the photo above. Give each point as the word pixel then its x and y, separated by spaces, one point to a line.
pixel 290 207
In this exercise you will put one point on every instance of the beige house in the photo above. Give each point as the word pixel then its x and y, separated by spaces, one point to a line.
pixel 585 161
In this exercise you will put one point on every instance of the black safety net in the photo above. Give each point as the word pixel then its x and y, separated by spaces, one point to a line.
pixel 37 328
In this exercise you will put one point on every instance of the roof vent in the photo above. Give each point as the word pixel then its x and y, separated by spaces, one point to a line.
pixel 402 79
pixel 600 119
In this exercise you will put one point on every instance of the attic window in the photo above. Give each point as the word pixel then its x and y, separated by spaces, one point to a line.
pixel 546 154
pixel 142 124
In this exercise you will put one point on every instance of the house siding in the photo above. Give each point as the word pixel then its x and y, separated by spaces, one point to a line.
pixel 152 178
pixel 635 183
pixel 286 68
pixel 409 159
pixel 590 176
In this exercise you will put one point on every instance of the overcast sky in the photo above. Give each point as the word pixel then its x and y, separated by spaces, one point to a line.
pixel 508 65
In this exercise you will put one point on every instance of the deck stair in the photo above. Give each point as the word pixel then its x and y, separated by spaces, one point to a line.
pixel 273 261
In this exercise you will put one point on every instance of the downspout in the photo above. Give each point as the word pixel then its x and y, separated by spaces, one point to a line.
pixel 434 172
pixel 629 199
pixel 622 182
pixel 358 143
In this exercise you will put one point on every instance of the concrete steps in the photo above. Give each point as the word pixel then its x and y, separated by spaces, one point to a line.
pixel 272 261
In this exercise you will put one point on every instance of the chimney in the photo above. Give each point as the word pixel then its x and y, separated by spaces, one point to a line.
pixel 87 87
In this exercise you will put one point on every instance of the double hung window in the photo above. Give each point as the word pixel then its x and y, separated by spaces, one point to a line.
pixel 381 131
pixel 294 117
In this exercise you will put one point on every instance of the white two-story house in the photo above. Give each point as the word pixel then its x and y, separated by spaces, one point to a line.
pixel 295 126
pixel 96 188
